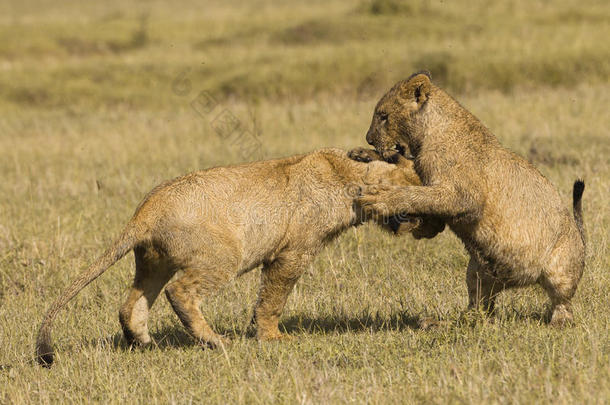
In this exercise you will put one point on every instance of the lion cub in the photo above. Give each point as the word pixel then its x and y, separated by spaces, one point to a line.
pixel 211 226
pixel 508 215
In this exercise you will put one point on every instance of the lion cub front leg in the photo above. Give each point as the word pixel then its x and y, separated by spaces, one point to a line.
pixel 441 201
pixel 277 281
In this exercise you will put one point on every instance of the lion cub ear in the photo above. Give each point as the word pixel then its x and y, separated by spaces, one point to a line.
pixel 417 88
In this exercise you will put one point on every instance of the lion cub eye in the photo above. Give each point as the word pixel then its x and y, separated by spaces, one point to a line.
pixel 383 116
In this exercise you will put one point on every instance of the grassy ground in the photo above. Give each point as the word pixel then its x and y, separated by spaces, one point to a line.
pixel 96 107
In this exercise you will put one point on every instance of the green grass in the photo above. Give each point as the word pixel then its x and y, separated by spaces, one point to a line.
pixel 94 112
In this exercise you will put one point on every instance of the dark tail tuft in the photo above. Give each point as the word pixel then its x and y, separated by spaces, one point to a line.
pixel 44 345
pixel 578 190
pixel 44 351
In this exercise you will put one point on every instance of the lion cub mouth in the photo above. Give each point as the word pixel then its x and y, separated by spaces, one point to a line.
pixel 402 150
pixel 391 155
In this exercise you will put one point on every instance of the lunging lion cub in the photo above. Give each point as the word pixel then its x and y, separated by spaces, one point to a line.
pixel 210 226
pixel 508 215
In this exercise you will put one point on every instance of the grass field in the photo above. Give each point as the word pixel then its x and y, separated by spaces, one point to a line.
pixel 100 101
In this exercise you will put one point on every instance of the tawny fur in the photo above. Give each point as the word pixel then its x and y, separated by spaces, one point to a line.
pixel 508 215
pixel 205 228
pixel 421 226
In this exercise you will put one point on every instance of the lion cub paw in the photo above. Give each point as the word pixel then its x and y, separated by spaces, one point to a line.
pixel 363 155
pixel 215 342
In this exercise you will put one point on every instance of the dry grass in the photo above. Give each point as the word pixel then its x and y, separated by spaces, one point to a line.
pixel 93 116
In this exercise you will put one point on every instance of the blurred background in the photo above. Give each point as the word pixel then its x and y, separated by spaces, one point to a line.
pixel 102 100
pixel 91 70
pixel 106 54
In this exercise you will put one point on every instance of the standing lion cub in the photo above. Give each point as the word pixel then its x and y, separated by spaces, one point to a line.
pixel 210 226
pixel 509 216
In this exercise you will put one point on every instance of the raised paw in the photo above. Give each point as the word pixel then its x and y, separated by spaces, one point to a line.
pixel 378 200
pixel 363 155
pixel 372 208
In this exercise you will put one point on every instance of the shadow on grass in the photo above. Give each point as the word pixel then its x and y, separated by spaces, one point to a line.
pixel 339 324
pixel 175 336
pixel 166 337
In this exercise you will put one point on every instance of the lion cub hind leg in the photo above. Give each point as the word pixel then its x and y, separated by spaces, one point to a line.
pixel 151 275
pixel 277 281
pixel 560 283
pixel 186 293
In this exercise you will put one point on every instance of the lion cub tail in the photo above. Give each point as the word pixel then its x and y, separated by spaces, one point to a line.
pixel 120 247
pixel 577 191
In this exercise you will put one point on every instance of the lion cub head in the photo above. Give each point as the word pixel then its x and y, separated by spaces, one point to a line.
pixel 396 114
